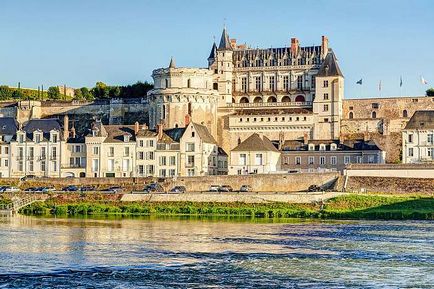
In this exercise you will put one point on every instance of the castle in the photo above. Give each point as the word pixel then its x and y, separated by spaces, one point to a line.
pixel 284 92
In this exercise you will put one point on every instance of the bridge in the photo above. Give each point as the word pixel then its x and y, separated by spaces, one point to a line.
pixel 18 203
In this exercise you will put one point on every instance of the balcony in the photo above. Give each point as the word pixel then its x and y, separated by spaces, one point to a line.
pixel 270 104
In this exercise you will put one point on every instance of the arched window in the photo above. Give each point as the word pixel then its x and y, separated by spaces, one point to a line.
pixel 257 99
pixel 244 100
pixel 351 115
pixel 300 98
pixel 286 99
pixel 374 114
pixel 272 99
pixel 188 83
pixel 167 83
pixel 233 100
pixel 405 113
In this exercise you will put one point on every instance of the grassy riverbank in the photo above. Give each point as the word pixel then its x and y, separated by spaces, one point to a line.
pixel 343 207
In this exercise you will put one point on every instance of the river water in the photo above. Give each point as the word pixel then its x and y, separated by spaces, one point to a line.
pixel 214 253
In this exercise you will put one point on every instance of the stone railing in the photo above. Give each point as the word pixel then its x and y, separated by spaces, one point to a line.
pixel 270 104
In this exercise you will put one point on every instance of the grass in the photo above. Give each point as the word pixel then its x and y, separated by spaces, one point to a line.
pixel 342 207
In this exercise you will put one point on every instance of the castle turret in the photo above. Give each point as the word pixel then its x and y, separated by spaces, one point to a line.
pixel 329 94
pixel 224 69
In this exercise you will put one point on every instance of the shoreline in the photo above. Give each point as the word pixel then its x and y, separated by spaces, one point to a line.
pixel 345 207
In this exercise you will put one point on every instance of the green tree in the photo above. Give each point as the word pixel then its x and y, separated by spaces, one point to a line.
pixel 53 92
pixel 17 94
pixel 430 92
pixel 101 90
pixel 86 93
pixel 5 92
pixel 114 92
pixel 77 94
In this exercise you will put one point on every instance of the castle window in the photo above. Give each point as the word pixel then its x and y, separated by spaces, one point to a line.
pixel 374 114
pixel 286 99
pixel 244 100
pixel 286 83
pixel 244 84
pixel 351 107
pixel 241 120
pixel 215 86
pixel 188 83
pixel 326 96
pixel 333 147
pixel 326 83
pixel 313 82
pixel 272 83
pixel 258 83
pixel 311 148
pixel 375 105
pixel 257 99
pixel 300 98
pixel 272 99
pixel 300 82
pixel 415 100
pixel 326 107
pixel 167 83
pixel 351 115
pixel 405 113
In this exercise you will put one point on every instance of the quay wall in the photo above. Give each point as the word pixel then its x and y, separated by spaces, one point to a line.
pixel 255 198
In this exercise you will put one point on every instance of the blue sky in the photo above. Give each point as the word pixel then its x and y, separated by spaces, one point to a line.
pixel 80 42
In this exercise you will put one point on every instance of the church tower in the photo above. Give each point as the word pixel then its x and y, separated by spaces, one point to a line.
pixel 329 93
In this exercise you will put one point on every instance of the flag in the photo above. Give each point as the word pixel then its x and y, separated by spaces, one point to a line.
pixel 360 81
pixel 400 82
pixel 423 81
pixel 379 86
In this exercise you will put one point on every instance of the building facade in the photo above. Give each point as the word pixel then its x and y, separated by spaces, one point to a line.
pixel 418 138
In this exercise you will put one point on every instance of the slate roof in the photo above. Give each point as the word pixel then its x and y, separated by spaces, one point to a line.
pixel 8 126
pixel 116 133
pixel 224 41
pixel 175 133
pixel 44 125
pixel 256 143
pixel 212 54
pixel 204 133
pixel 421 119
pixel 330 66
pixel 347 145
pixel 221 152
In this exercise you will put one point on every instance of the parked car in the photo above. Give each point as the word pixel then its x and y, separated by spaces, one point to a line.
pixel 214 188
pixel 153 188
pixel 28 177
pixel 70 189
pixel 47 189
pixel 116 189
pixel 108 191
pixel 8 189
pixel 314 188
pixel 87 188
pixel 30 190
pixel 225 188
pixel 178 189
pixel 245 188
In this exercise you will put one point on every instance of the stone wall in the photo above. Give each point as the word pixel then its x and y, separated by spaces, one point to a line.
pixel 254 198
pixel 390 185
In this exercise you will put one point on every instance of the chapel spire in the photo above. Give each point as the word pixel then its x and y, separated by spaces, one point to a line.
pixel 225 43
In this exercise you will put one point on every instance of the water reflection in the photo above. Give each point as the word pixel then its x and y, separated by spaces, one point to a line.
pixel 222 252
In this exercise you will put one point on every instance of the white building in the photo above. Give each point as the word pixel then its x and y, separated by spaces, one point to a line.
pixel 418 138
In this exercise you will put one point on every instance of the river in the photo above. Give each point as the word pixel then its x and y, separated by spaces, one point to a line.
pixel 214 253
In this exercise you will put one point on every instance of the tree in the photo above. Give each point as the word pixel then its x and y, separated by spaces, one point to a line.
pixel 77 94
pixel 18 94
pixel 5 92
pixel 53 92
pixel 86 93
pixel 101 90
pixel 430 92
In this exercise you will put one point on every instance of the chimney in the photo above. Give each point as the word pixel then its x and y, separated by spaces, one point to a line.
pixel 341 138
pixel 305 138
pixel 324 45
pixel 136 127
pixel 144 126
pixel 65 127
pixel 160 130
pixel 294 46
pixel 73 134
pixel 233 43
pixel 187 120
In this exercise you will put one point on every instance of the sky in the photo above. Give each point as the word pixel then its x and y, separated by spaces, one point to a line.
pixel 80 42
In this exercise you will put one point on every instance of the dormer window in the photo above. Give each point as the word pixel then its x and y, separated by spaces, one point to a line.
pixel 333 147
pixel 54 137
pixel 21 138
pixel 126 138
pixel 37 137
pixel 93 132
pixel 322 147
pixel 311 147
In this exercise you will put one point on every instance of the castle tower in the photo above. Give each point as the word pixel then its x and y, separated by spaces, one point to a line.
pixel 329 93
pixel 180 92
pixel 223 67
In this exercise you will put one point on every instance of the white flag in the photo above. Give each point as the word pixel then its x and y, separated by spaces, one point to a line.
pixel 423 81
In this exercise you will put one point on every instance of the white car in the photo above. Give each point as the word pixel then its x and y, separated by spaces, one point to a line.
pixel 11 190
pixel 214 188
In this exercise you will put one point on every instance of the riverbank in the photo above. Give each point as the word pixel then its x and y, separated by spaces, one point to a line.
pixel 341 207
